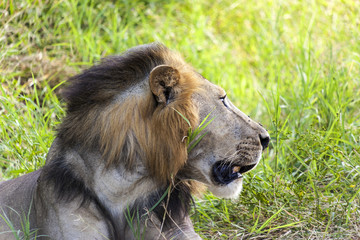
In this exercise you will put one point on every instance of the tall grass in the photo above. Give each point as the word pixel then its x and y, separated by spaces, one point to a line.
pixel 294 66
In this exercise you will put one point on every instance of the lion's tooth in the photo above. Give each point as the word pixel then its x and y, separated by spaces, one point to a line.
pixel 236 169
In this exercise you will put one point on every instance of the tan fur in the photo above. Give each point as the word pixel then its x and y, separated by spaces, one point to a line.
pixel 148 127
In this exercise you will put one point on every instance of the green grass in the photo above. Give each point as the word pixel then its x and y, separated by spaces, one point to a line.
pixel 292 65
pixel 25 233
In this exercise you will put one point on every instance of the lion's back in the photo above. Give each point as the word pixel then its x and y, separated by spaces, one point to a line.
pixel 16 197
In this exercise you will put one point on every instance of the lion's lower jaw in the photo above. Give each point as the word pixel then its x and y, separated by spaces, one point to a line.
pixel 231 190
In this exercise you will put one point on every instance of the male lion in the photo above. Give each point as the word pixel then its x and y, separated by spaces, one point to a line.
pixel 119 167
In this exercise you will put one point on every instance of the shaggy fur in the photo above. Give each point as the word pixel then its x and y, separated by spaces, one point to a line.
pixel 144 125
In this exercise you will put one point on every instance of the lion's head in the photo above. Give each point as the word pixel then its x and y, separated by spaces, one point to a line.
pixel 232 146
pixel 137 109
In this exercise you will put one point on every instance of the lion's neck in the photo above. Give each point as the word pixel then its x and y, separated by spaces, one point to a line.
pixel 117 191
pixel 116 188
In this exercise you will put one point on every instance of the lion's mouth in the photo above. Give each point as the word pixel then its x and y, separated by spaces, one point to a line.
pixel 225 173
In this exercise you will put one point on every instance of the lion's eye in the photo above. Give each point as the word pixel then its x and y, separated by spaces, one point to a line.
pixel 224 101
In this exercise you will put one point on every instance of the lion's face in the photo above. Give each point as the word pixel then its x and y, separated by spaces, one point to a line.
pixel 233 143
pixel 231 147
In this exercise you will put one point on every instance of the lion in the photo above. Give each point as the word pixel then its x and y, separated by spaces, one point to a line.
pixel 119 167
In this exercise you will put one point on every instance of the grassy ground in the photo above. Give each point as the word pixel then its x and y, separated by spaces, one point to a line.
pixel 293 65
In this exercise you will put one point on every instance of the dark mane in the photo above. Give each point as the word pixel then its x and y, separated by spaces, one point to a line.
pixel 172 207
pixel 87 93
pixel 101 82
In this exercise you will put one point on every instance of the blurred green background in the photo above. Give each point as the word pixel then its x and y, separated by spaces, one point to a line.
pixel 292 65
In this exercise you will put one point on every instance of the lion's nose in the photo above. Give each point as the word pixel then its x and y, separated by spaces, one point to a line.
pixel 264 140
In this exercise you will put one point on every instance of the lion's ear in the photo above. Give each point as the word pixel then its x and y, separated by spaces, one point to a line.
pixel 163 80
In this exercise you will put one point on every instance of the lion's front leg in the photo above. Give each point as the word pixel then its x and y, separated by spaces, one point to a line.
pixel 183 231
pixel 58 220
pixel 151 228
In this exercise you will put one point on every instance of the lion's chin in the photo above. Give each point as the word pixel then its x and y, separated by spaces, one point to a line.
pixel 231 190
